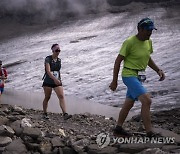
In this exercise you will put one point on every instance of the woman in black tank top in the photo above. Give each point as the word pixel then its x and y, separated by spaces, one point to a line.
pixel 52 80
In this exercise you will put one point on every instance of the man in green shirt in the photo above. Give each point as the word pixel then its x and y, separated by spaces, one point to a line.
pixel 135 52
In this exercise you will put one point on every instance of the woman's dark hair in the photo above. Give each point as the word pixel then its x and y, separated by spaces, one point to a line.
pixel 53 45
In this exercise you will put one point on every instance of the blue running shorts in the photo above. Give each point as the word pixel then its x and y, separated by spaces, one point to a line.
pixel 1 90
pixel 134 88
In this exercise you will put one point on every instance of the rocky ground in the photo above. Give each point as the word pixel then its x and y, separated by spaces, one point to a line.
pixel 24 131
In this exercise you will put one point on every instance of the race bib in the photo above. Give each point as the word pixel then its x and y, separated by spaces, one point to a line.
pixel 1 82
pixel 56 74
pixel 142 76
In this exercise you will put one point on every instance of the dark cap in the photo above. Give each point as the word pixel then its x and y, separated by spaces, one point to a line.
pixel 147 24
pixel 0 62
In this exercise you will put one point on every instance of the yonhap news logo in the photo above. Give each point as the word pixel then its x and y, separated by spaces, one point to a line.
pixel 104 139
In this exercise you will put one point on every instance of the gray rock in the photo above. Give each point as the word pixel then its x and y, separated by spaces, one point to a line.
pixel 57 142
pixel 170 147
pixel 60 150
pixel 16 146
pixel 32 146
pixel 93 149
pixel 13 118
pixel 132 148
pixel 19 110
pixel 55 151
pixel 16 126
pixel 2 149
pixel 6 131
pixel 167 133
pixel 108 150
pixel 2 113
pixel 67 150
pixel 32 132
pixel 136 118
pixel 3 120
pixel 79 146
pixel 6 108
pixel 4 141
pixel 153 151
pixel 175 151
pixel 45 148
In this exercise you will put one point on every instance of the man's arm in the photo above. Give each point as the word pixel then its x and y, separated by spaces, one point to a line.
pixel 160 72
pixel 117 64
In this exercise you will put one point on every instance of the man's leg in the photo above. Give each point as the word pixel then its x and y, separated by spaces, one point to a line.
pixel 128 104
pixel 145 111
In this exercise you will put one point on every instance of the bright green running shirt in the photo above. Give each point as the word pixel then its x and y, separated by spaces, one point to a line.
pixel 136 55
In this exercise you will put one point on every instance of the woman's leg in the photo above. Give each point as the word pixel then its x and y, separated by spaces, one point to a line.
pixel 1 91
pixel 47 93
pixel 60 94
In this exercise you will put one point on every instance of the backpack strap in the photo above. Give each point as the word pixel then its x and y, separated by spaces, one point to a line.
pixel 50 57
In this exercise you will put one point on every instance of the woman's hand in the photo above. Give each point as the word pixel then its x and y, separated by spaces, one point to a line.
pixel 57 82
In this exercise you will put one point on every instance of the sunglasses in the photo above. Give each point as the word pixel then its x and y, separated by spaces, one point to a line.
pixel 57 50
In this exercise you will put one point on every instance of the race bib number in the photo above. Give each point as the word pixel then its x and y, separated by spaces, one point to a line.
pixel 142 76
pixel 1 82
pixel 56 74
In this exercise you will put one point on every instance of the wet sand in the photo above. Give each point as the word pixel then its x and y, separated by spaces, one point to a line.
pixel 75 105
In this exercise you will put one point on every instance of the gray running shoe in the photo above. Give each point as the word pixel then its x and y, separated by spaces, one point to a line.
pixel 67 116
pixel 45 116
pixel 120 132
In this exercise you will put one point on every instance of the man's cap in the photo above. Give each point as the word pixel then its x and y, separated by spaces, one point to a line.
pixel 147 24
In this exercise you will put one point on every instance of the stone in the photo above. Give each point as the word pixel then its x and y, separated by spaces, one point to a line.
pixel 3 120
pixel 60 150
pixel 6 131
pixel 108 150
pixel 2 149
pixel 16 146
pixel 67 150
pixel 33 132
pixel 16 126
pixel 167 133
pixel 153 151
pixel 19 110
pixel 93 149
pixel 176 151
pixel 79 146
pixel 2 113
pixel 45 147
pixel 130 148
pixel 57 142
pixel 170 147
pixel 13 118
pixel 32 146
pixel 6 108
pixel 4 141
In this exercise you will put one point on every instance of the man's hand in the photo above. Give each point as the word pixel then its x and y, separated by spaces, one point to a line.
pixel 161 74
pixel 113 85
